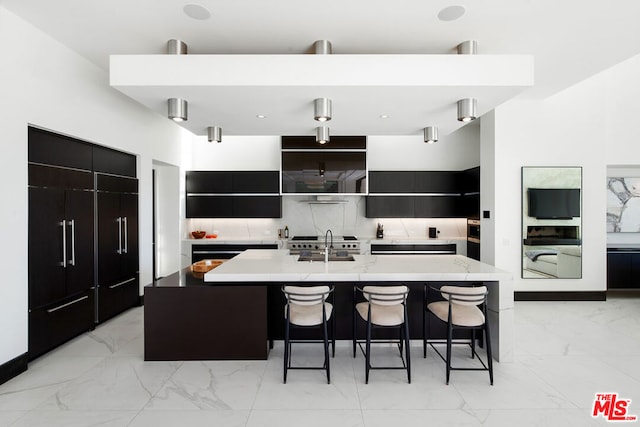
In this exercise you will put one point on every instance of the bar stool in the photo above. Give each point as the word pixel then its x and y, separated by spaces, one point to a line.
pixel 383 307
pixel 459 310
pixel 307 307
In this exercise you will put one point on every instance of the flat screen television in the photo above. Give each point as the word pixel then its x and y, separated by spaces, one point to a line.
pixel 554 203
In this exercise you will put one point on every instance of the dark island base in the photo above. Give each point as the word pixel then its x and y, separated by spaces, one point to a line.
pixel 187 319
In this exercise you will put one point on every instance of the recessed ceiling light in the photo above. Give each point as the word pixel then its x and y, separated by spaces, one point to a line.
pixel 261 116
pixel 451 13
pixel 384 116
pixel 196 11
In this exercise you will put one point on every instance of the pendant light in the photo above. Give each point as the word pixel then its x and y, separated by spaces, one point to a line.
pixel 467 109
pixel 214 133
pixel 431 134
pixel 322 135
pixel 322 109
pixel 178 109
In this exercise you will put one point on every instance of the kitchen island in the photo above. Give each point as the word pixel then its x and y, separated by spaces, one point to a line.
pixel 244 298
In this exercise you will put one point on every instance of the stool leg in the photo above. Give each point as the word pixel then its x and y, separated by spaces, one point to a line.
pixel 333 335
pixel 473 343
pixel 368 355
pixel 487 340
pixel 449 339
pixel 326 351
pixel 424 323
pixel 407 349
pixel 286 349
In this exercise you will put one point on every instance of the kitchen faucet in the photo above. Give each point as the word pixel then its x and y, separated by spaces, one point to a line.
pixel 327 249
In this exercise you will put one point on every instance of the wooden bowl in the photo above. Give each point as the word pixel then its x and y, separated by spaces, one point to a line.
pixel 205 265
pixel 198 234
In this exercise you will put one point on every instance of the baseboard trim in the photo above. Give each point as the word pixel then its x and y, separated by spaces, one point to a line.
pixel 13 368
pixel 561 296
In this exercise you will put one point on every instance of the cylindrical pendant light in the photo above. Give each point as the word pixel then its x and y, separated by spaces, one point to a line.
pixel 322 134
pixel 467 109
pixel 322 47
pixel 214 133
pixel 322 109
pixel 431 134
pixel 176 47
pixel 469 47
pixel 178 110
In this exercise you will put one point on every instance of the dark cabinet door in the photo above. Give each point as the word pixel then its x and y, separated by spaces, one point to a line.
pixel 209 206
pixel 257 207
pixel 438 207
pixel 619 270
pixel 79 229
pixel 389 207
pixel 46 250
pixel 59 150
pixel 114 162
pixel 209 182
pixel 445 182
pixel 256 182
pixel 129 215
pixel 109 237
pixel 392 182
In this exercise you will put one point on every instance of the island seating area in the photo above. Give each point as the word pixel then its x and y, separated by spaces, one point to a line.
pixel 236 311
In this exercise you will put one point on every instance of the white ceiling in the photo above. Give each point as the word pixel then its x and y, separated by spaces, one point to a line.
pixel 569 39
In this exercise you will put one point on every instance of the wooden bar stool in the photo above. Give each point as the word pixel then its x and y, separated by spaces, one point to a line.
pixel 383 307
pixel 460 310
pixel 307 307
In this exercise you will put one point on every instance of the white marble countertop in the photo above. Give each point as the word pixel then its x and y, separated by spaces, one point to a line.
pixel 279 266
pixel 235 240
pixel 414 240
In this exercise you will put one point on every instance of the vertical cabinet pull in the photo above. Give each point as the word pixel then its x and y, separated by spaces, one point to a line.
pixel 126 239
pixel 72 223
pixel 119 221
pixel 64 244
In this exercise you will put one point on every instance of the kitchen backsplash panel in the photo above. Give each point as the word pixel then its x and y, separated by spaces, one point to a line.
pixel 344 218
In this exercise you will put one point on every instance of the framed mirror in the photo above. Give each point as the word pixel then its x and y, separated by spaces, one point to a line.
pixel 551 222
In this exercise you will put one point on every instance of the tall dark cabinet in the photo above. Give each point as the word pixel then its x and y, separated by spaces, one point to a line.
pixel 118 284
pixel 65 246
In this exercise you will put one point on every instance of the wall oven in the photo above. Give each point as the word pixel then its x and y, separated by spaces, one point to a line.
pixel 473 238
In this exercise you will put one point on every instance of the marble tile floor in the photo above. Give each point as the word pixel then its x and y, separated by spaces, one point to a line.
pixel 565 353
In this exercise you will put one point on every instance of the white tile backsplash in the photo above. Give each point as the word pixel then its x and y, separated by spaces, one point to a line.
pixel 346 217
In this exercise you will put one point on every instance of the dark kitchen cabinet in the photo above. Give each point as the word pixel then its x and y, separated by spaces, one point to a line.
pixel 623 269
pixel 107 160
pixel 392 182
pixel 423 194
pixel 118 287
pixel 209 182
pixel 63 263
pixel 389 207
pixel 60 256
pixel 242 194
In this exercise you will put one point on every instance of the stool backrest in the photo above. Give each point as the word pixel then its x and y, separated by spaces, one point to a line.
pixel 465 295
pixel 306 295
pixel 386 295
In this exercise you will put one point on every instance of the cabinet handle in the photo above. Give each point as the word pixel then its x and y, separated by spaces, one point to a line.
pixel 64 244
pixel 126 238
pixel 72 223
pixel 119 221
pixel 122 283
pixel 51 310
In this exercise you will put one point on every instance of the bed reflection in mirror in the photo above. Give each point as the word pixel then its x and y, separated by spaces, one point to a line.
pixel 551 222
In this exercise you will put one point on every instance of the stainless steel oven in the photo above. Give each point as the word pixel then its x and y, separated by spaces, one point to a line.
pixel 473 238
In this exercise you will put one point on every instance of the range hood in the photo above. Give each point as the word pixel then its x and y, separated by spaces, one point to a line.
pixel 323 200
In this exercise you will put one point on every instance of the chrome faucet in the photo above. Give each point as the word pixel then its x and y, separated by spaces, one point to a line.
pixel 327 249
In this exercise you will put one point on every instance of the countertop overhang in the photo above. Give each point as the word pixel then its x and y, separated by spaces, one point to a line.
pixel 279 266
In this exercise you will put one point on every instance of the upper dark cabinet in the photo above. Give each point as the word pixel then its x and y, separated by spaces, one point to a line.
pixel 306 142
pixel 114 162
pixel 447 182
pixel 392 182
pixel 213 182
pixel 58 150
pixel 256 182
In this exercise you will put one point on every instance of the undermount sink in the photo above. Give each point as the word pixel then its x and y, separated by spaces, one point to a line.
pixel 320 258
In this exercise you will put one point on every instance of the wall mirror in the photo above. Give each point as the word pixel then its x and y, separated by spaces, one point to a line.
pixel 551 222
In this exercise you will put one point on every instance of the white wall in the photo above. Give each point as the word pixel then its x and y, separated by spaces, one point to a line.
pixel 565 130
pixel 44 83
